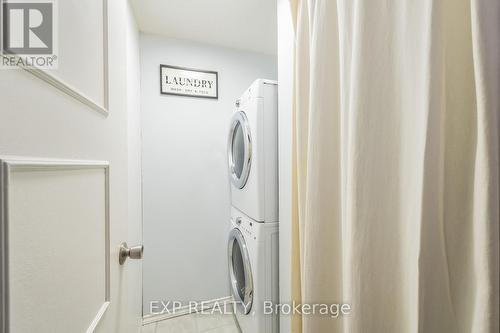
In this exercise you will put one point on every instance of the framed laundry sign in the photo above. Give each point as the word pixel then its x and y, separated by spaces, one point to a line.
pixel 189 82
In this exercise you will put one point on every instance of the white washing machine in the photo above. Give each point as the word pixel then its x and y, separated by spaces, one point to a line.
pixel 253 152
pixel 253 272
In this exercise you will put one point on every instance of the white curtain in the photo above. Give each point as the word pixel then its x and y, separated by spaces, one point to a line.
pixel 397 164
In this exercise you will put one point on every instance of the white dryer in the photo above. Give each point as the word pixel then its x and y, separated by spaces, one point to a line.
pixel 253 152
pixel 253 272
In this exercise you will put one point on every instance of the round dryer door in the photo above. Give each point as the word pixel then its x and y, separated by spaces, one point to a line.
pixel 240 274
pixel 239 149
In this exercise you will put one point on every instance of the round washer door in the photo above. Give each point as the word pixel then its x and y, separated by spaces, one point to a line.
pixel 239 149
pixel 240 274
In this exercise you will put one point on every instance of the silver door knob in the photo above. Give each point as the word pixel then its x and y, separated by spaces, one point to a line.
pixel 134 252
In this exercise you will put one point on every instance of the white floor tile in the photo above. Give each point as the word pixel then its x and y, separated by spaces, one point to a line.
pixel 150 328
pixel 207 322
pixel 224 329
pixel 182 324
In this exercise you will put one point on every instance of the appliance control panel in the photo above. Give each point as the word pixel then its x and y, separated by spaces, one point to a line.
pixel 245 227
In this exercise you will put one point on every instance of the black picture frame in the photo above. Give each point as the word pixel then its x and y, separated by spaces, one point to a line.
pixel 192 70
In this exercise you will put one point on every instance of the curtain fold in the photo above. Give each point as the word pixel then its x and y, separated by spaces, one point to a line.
pixel 396 169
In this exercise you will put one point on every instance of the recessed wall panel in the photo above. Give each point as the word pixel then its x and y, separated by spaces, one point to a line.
pixel 56 238
pixel 82 47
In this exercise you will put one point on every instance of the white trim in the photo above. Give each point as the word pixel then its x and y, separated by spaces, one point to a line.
pixel 98 317
pixel 71 91
pixel 185 310
pixel 105 54
pixel 9 164
pixel 286 40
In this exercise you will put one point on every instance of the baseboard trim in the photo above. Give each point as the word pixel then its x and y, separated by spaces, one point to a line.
pixel 185 310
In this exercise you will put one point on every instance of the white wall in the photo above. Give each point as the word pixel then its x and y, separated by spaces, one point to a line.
pixel 185 181
pixel 285 93
pixel 134 160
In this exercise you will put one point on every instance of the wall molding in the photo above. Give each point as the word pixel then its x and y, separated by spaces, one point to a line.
pixel 7 166
pixel 71 91
pixel 185 310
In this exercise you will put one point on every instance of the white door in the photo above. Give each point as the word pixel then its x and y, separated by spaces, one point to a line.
pixel 69 193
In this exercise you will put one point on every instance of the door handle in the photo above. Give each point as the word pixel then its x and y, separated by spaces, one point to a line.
pixel 133 252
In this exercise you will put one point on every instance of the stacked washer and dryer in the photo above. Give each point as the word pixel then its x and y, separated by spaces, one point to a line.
pixel 253 235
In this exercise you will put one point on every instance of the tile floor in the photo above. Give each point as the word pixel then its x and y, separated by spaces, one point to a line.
pixel 194 323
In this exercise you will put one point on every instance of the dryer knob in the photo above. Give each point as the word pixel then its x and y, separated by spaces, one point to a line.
pixel 238 221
